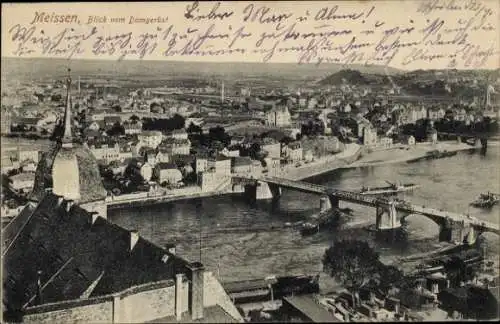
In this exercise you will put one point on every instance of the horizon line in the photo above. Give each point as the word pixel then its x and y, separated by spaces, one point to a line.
pixel 347 66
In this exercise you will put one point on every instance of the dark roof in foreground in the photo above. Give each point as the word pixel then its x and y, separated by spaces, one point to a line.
pixel 77 256
pixel 212 314
pixel 237 286
pixel 313 310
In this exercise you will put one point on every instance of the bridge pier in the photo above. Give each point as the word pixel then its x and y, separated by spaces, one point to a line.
pixel 334 202
pixel 324 204
pixel 484 143
pixel 386 217
pixel 262 191
pixel 458 232
pixel 238 188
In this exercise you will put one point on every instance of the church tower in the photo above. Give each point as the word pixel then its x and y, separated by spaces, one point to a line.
pixel 70 169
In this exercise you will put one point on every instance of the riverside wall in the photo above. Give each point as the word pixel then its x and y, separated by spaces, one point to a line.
pixel 353 156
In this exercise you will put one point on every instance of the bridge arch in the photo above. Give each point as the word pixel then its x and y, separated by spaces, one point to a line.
pixel 440 222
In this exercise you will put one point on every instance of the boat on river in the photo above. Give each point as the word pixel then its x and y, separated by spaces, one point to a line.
pixel 436 154
pixel 322 221
pixel 486 200
pixel 309 229
pixel 392 188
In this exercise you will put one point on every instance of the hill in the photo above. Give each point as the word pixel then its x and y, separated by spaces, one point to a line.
pixel 41 68
pixel 345 76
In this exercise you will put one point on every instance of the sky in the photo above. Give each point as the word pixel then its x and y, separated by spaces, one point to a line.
pixel 480 49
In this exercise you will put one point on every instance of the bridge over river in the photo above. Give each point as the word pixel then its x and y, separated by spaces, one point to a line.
pixel 454 227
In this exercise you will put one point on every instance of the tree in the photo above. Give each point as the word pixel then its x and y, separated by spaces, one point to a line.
pixel 134 118
pixel 254 151
pixel 286 140
pixel 390 277
pixel 57 133
pixel 117 129
pixel 105 172
pixel 458 271
pixel 218 133
pixel 351 262
pixel 194 129
pixel 178 122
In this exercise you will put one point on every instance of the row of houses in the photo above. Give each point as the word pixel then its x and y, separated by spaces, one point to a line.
pixel 17 158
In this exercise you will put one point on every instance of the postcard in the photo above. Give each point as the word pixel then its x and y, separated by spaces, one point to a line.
pixel 250 161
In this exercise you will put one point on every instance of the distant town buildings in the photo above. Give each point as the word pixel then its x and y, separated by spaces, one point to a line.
pixel 279 116
pixel 167 173
pixel 293 152
pixel 150 138
pixel 5 121
pixel 369 136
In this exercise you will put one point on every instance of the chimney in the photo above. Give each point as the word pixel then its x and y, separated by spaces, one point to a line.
pixel 170 247
pixel 69 204
pixel 196 291
pixel 179 278
pixel 222 92
pixel 134 237
pixel 39 299
pixel 93 217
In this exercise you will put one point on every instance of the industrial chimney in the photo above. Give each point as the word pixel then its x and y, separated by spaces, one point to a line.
pixel 196 291
pixel 179 303
pixel 39 299
pixel 222 93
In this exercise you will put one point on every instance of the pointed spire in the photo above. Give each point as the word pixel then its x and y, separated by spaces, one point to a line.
pixel 67 138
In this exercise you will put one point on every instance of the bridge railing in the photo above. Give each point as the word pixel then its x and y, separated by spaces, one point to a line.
pixel 379 201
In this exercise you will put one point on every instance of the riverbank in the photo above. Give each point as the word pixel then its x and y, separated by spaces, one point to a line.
pixel 406 153
pixel 357 156
pixel 353 156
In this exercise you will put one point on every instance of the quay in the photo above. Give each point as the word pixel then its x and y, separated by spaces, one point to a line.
pixel 125 201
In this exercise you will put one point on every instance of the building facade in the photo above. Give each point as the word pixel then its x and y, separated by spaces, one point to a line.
pixel 279 116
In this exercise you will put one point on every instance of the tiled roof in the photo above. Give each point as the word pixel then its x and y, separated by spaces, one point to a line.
pixel 91 187
pixel 294 146
pixel 313 310
pixel 72 253
pixel 166 166
pixel 150 133
pixel 237 286
pixel 182 160
pixel 112 119
pixel 23 176
pixel 179 131
pixel 175 141
pixel 91 133
pixel 241 161
pixel 212 314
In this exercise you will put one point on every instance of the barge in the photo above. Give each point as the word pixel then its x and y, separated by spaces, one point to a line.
pixel 486 200
pixel 391 189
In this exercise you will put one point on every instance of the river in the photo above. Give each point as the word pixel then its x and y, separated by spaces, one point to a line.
pixel 233 246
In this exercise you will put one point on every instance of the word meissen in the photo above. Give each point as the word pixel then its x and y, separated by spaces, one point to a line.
pixel 53 18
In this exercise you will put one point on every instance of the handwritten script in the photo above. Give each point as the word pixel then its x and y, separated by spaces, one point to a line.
pixel 435 31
